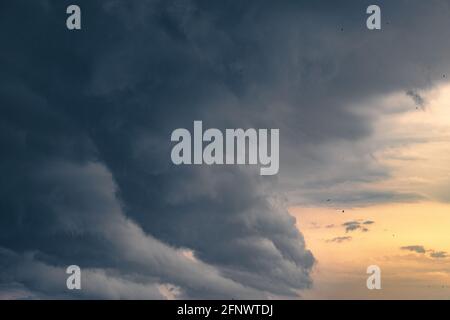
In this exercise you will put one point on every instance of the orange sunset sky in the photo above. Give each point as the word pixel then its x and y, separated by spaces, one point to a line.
pixel 408 240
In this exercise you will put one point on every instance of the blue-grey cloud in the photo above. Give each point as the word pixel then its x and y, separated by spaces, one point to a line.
pixel 415 248
pixel 421 249
pixel 439 254
pixel 340 239
pixel 86 135
pixel 417 98
pixel 357 225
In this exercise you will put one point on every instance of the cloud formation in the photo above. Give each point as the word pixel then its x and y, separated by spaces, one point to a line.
pixel 89 176
pixel 417 98
pixel 439 254
pixel 357 225
pixel 85 125
pixel 432 253
pixel 417 249
pixel 339 239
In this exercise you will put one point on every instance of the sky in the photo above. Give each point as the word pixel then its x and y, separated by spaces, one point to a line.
pixel 85 124
pixel 409 241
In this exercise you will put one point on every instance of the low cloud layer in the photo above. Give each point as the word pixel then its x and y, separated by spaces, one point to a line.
pixel 340 239
pixel 357 225
pixel 421 250
pixel 417 249
pixel 439 254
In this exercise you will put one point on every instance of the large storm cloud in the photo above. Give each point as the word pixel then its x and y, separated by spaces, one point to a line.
pixel 85 127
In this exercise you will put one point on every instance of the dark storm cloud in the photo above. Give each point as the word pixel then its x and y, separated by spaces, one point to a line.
pixel 40 280
pixel 89 133
pixel 85 129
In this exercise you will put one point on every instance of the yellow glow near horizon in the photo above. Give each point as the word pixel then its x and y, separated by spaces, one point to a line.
pixel 341 266
pixel 415 147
